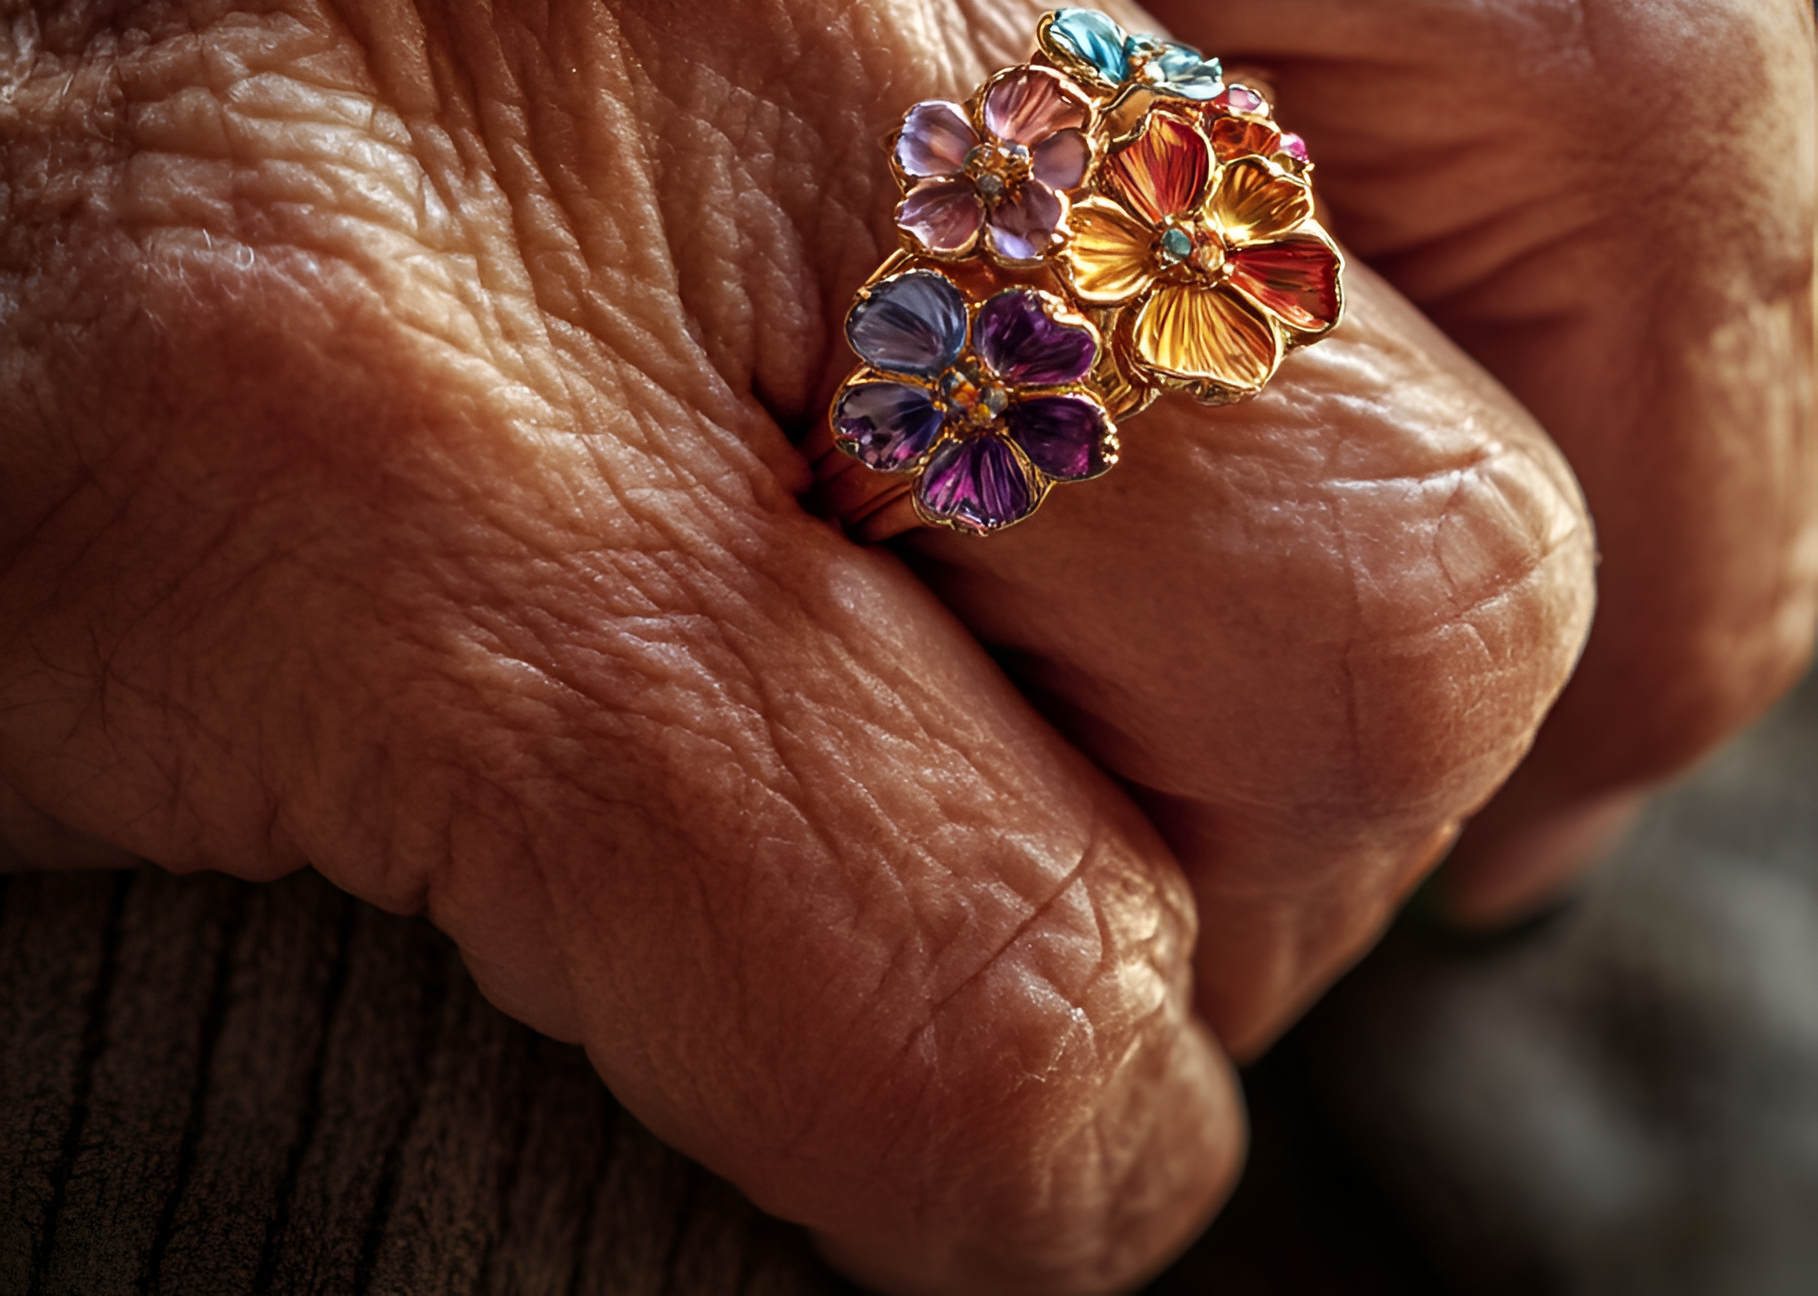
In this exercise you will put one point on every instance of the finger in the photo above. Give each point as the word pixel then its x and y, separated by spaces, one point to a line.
pixel 1603 213
pixel 344 531
pixel 31 839
pixel 1312 632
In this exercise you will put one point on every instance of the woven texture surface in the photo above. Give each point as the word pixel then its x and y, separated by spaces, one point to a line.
pixel 213 1087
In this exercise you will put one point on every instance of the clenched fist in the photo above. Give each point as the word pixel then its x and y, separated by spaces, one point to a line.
pixel 396 475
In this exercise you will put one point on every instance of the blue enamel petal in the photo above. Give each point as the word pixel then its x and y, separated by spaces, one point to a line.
pixel 886 425
pixel 1093 38
pixel 912 324
pixel 1185 73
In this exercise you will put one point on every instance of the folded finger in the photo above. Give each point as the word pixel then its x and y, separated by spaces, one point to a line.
pixel 356 519
pixel 1312 632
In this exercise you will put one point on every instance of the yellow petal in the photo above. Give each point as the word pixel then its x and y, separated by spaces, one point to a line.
pixel 1254 203
pixel 1200 334
pixel 1107 261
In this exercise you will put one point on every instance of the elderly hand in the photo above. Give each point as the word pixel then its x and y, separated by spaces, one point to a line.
pixel 397 477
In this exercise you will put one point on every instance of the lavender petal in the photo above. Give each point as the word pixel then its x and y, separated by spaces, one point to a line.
pixel 935 139
pixel 1025 346
pixel 886 425
pixel 1028 104
pixel 1061 159
pixel 944 216
pixel 1023 228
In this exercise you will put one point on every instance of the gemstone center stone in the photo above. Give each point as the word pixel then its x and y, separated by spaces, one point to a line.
pixel 1174 246
pixel 997 169
pixel 974 398
pixel 1209 257
pixel 1191 250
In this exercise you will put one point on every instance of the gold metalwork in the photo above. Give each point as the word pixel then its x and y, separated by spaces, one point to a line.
pixel 1188 252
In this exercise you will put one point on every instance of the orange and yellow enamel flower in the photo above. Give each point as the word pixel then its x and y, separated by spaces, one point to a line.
pixel 1220 267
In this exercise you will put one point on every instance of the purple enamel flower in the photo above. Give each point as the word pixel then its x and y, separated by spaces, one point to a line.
pixel 996 175
pixel 983 405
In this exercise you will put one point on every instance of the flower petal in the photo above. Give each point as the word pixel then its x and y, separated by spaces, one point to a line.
pixel 1026 346
pixel 1184 71
pixel 1026 225
pixel 1087 41
pixel 1203 334
pixel 979 485
pixel 1163 173
pixel 1108 260
pixel 1255 203
pixel 1064 436
pixel 1026 105
pixel 943 216
pixel 1240 136
pixel 1061 160
pixel 935 139
pixel 886 425
pixel 914 323
pixel 1297 278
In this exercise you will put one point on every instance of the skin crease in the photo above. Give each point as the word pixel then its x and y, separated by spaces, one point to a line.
pixel 1628 247
pixel 397 478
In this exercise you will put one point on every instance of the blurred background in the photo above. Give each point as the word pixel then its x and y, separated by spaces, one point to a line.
pixel 207 1087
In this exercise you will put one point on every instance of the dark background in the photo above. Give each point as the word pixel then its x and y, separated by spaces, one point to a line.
pixel 211 1087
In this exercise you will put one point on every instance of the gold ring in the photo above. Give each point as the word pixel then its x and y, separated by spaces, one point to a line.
pixel 1108 221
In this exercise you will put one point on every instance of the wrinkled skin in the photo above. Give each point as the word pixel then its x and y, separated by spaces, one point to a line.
pixel 397 476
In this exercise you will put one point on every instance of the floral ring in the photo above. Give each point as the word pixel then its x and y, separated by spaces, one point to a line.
pixel 1111 220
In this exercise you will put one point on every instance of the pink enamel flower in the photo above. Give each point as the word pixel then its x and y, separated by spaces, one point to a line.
pixel 997 173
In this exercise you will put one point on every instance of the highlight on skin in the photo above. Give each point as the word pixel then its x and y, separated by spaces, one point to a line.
pixel 398 420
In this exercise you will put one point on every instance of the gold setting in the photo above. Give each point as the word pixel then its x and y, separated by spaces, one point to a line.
pixel 1136 199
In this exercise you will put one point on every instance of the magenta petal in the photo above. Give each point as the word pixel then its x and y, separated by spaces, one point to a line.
pixel 886 425
pixel 935 139
pixel 942 215
pixel 978 484
pixel 1026 347
pixel 1023 226
pixel 1062 435
pixel 1031 103
pixel 1061 160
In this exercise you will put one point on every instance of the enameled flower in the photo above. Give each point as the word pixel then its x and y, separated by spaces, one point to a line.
pixel 985 404
pixel 1221 265
pixel 996 176
pixel 1103 56
pixel 1237 122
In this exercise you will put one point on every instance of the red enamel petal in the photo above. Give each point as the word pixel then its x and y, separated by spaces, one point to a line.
pixel 1164 173
pixel 1295 278
pixel 1236 136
